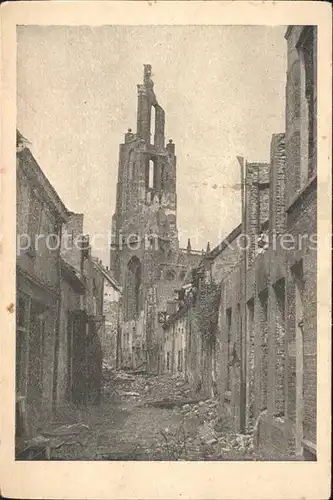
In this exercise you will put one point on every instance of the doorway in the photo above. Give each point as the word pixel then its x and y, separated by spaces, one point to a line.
pixel 36 353
pixel 76 357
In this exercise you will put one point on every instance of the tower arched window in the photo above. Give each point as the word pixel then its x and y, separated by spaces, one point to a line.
pixel 152 124
pixel 151 179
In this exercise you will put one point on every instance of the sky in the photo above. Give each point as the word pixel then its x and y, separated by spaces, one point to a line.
pixel 222 89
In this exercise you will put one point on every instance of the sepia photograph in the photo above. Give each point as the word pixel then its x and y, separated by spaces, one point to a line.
pixel 166 242
pixel 154 334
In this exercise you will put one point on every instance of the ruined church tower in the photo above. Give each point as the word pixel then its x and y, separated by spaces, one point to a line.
pixel 144 225
pixel 145 255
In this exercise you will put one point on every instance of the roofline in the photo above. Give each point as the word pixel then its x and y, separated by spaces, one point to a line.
pixel 44 183
pixel 224 243
pixel 70 213
pixel 258 164
pixel 109 278
pixel 195 253
pixel 73 273
pixel 288 31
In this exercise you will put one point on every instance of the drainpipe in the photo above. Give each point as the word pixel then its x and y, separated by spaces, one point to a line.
pixel 243 332
pixel 118 342
pixel 245 400
pixel 173 349
pixel 186 343
pixel 57 330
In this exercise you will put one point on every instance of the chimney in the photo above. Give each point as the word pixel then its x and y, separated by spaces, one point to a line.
pixel 208 248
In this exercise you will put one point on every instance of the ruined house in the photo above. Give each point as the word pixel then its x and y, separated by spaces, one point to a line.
pixel 38 263
pixel 59 304
pixel 110 332
pixel 188 351
pixel 301 213
pixel 81 318
pixel 264 356
pixel 274 388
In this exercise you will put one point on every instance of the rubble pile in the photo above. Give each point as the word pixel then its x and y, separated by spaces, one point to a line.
pixel 148 417
pixel 145 417
pixel 204 445
pixel 202 437
pixel 162 388
pixel 148 388
pixel 233 446
pixel 206 410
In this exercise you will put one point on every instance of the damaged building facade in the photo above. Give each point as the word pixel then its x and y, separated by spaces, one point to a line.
pixel 145 256
pixel 262 363
pixel 81 319
pixel 59 305
pixel 276 383
pixel 237 322
pixel 192 346
pixel 39 210
pixel 110 331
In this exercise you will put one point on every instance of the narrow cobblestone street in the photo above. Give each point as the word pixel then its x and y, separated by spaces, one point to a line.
pixel 147 417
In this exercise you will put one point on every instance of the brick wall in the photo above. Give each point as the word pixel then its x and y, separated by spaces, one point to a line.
pixel 230 346
pixel 252 211
pixel 264 192
pixel 279 292
pixel 293 109
pixel 277 214
pixel 291 359
pixel 251 374
pixel 263 347
pixel 263 204
pixel 310 346
pixel 291 394
pixel 302 221
pixel 301 99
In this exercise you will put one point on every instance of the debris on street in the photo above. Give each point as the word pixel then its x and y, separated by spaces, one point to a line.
pixel 146 417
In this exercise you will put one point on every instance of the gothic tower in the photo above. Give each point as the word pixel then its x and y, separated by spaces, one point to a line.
pixel 145 255
pixel 144 226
